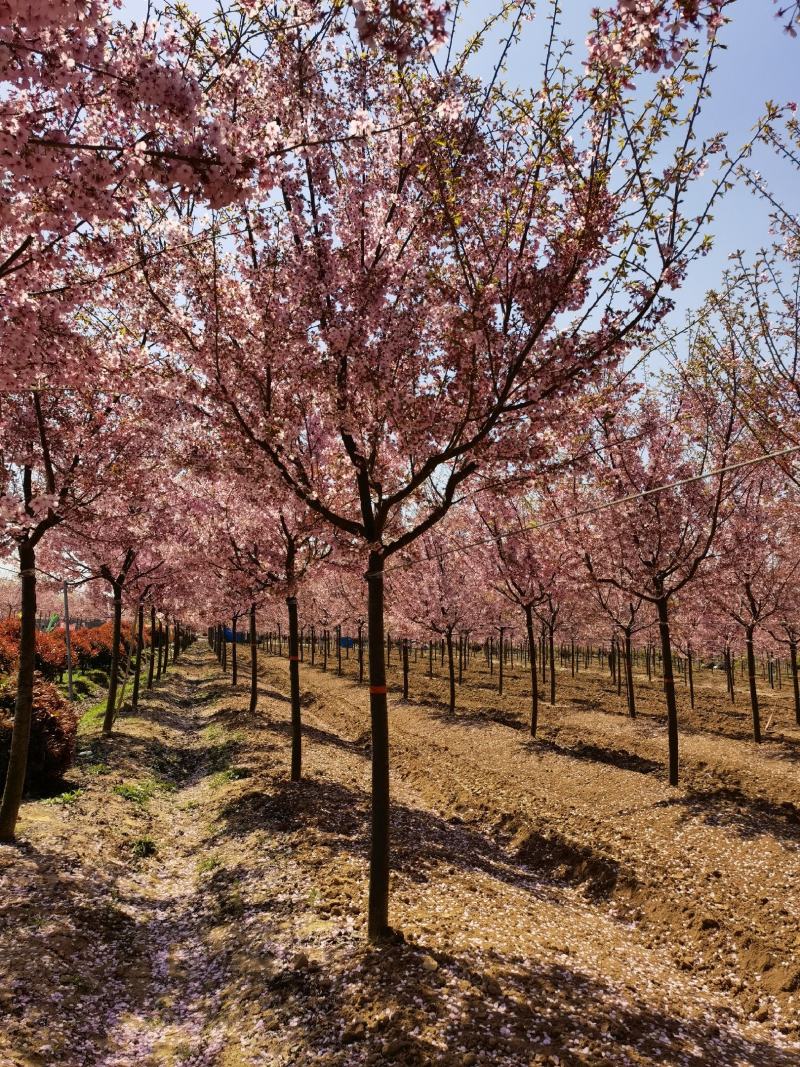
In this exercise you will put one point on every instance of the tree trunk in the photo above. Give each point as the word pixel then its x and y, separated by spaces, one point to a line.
pixel 361 653
pixel 751 678
pixel 691 675
pixel 152 665
pixel 552 667
pixel 629 675
pixel 111 700
pixel 669 687
pixel 795 680
pixel 23 707
pixel 500 664
pixel 253 660
pixel 161 650
pixel 405 668
pixel 378 909
pixel 137 671
pixel 165 643
pixel 534 676
pixel 451 667
pixel 234 657
pixel 294 689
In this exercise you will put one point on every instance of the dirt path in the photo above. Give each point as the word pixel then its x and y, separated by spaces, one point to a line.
pixel 185 905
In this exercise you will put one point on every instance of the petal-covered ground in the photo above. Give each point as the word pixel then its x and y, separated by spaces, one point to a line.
pixel 183 903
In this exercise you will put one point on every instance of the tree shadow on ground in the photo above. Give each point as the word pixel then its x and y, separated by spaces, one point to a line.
pixel 478 718
pixel 748 816
pixel 615 757
pixel 360 747
pixel 422 842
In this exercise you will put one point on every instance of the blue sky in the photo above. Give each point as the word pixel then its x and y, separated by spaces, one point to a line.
pixel 759 63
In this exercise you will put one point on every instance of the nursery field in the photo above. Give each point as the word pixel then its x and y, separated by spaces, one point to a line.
pixel 555 900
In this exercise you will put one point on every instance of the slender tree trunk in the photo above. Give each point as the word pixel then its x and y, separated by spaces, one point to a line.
pixel 137 671
pixel 253 660
pixel 111 699
pixel 662 606
pixel 430 658
pixel 795 680
pixel 378 909
pixel 152 664
pixel 339 650
pixel 751 678
pixel 689 666
pixel 629 675
pixel 161 650
pixel 405 668
pixel 534 675
pixel 165 643
pixel 23 707
pixel 451 667
pixel 234 656
pixel 68 641
pixel 294 688
pixel 552 667
pixel 361 653
pixel 500 664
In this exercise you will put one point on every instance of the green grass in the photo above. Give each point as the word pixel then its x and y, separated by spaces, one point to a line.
pixel 230 774
pixel 92 718
pixel 208 863
pixel 141 792
pixel 97 769
pixel 143 847
pixel 63 799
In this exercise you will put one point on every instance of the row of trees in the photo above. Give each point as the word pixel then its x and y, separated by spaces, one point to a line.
pixel 292 300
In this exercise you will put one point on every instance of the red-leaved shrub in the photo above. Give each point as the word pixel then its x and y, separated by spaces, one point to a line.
pixel 51 650
pixel 53 732
pixel 91 647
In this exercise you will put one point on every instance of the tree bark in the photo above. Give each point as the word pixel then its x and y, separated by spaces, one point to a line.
pixel 378 909
pixel 552 665
pixel 234 657
pixel 152 665
pixel 294 689
pixel 405 668
pixel 137 670
pixel 662 607
pixel 795 680
pixel 23 707
pixel 253 660
pixel 751 678
pixel 629 675
pixel 534 675
pixel 451 668
pixel 111 700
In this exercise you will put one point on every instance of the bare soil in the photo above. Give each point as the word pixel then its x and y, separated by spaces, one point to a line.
pixel 184 904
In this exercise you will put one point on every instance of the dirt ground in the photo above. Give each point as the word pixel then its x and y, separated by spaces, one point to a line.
pixel 181 903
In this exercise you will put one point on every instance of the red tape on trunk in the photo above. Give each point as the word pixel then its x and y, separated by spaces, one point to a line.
pixel 294 659
pixel 378 690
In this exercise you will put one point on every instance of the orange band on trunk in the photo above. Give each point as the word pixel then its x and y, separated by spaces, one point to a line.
pixel 295 659
pixel 378 690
